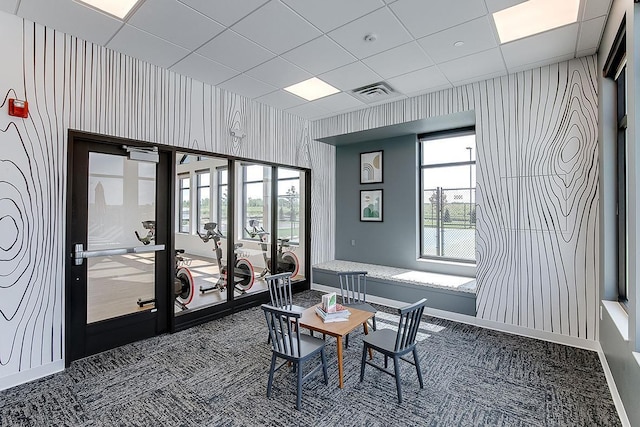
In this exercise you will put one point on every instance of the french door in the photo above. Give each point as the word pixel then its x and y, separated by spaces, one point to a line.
pixel 117 226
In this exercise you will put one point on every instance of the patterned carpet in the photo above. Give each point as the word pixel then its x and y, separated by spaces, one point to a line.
pixel 216 375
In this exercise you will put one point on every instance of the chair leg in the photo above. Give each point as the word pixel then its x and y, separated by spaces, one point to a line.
pixel 324 367
pixel 271 371
pixel 396 368
pixel 386 361
pixel 417 362
pixel 375 328
pixel 299 392
pixel 363 362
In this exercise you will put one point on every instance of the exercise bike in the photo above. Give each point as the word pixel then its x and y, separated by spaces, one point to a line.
pixel 183 285
pixel 243 273
pixel 286 261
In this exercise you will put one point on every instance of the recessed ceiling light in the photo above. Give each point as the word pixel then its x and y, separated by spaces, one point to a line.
pixel 117 8
pixel 533 17
pixel 458 43
pixel 312 89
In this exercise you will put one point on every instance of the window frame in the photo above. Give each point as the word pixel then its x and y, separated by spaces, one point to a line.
pixel 219 171
pixel 199 190
pixel 181 190
pixel 279 180
pixel 450 133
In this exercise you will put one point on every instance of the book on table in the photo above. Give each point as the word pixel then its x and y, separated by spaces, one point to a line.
pixel 340 315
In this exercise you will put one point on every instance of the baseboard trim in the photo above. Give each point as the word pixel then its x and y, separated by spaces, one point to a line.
pixel 617 400
pixel 31 374
pixel 487 324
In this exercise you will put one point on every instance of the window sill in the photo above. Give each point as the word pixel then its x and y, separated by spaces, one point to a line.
pixel 446 262
pixel 619 316
pixel 637 357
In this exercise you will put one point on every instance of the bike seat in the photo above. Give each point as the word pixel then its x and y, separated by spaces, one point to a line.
pixel 179 251
pixel 210 226
pixel 284 240
pixel 237 245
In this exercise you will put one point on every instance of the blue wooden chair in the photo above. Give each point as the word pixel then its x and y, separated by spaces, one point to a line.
pixel 396 344
pixel 280 292
pixel 353 292
pixel 296 349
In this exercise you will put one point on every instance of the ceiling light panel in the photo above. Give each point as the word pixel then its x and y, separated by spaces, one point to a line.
pixel 118 8
pixel 533 17
pixel 312 89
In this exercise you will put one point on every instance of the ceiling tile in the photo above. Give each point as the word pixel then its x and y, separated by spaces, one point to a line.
pixel 595 8
pixel 399 60
pixel 175 22
pixel 276 27
pixel 542 63
pixel 496 5
pixel 420 81
pixel 203 69
pixel 427 17
pixel 550 44
pixel 388 30
pixel 145 46
pixel 590 33
pixel 350 76
pixel 338 102
pixel 279 72
pixel 71 18
pixel 8 6
pixel 477 36
pixel 247 86
pixel 319 55
pixel 479 64
pixel 308 111
pixel 330 14
pixel 235 51
pixel 281 100
pixel 224 11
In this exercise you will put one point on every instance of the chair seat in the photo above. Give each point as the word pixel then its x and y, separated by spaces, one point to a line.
pixel 308 346
pixel 383 340
pixel 362 306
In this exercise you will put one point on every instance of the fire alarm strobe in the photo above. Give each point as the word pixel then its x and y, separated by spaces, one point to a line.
pixel 18 108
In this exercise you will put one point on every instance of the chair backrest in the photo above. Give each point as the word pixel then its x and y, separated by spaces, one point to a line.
pixel 280 289
pixel 353 286
pixel 410 317
pixel 285 336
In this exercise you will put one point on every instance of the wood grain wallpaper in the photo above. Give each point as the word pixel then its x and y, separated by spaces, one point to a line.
pixel 70 83
pixel 537 189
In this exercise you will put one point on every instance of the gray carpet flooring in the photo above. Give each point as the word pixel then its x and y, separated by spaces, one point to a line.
pixel 216 375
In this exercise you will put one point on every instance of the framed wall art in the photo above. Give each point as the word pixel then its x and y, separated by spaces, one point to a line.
pixel 371 205
pixel 371 167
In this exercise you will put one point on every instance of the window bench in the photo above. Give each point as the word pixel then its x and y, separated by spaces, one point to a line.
pixel 444 292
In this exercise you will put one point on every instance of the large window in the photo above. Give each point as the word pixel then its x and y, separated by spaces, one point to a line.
pixel 256 184
pixel 185 203
pixel 616 69
pixel 448 176
pixel 223 199
pixel 203 200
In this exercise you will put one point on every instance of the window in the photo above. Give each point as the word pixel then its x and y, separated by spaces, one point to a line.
pixel 203 201
pixel 184 204
pixel 223 199
pixel 289 204
pixel 616 69
pixel 447 195
pixel 256 185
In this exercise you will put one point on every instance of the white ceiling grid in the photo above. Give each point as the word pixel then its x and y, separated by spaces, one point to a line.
pixel 256 48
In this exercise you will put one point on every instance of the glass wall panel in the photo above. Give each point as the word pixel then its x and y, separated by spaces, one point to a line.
pixel 201 250
pixel 291 223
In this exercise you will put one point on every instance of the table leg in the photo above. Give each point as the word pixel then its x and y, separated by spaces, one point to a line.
pixel 339 344
pixel 366 332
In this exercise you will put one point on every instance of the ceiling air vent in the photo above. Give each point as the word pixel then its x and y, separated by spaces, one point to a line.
pixel 374 92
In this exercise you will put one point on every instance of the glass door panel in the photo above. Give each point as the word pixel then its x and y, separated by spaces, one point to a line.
pixel 121 199
pixel 291 223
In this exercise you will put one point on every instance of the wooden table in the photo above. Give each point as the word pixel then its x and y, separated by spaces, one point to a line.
pixel 310 320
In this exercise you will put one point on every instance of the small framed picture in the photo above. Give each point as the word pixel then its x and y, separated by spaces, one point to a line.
pixel 371 205
pixel 371 167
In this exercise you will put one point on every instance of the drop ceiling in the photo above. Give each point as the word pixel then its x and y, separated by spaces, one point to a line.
pixel 256 48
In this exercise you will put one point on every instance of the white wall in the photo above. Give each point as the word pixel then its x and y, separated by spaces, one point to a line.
pixel 537 190
pixel 72 84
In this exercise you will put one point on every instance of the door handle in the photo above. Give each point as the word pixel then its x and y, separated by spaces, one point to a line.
pixel 80 254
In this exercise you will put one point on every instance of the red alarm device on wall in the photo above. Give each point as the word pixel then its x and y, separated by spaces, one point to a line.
pixel 18 108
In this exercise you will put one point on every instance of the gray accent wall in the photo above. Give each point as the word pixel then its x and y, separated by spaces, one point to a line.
pixel 73 84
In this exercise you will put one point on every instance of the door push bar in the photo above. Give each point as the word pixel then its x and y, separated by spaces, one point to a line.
pixel 80 254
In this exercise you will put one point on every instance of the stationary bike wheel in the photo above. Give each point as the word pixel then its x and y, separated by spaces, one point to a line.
pixel 290 263
pixel 243 274
pixel 184 286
